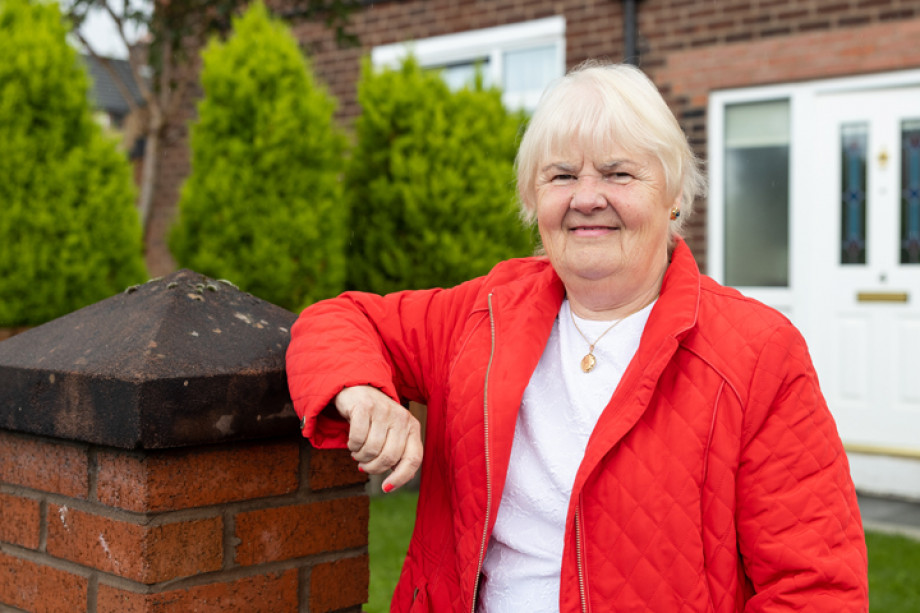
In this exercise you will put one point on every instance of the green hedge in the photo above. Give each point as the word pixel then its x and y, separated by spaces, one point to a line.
pixel 263 205
pixel 69 232
pixel 431 182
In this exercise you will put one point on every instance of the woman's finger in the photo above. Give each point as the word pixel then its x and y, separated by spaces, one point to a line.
pixel 358 406
pixel 359 425
pixel 408 464
pixel 386 443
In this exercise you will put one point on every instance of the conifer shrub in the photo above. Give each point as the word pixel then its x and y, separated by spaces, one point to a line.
pixel 263 204
pixel 69 232
pixel 431 182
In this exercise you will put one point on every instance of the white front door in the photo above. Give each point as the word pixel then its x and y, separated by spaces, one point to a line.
pixel 861 262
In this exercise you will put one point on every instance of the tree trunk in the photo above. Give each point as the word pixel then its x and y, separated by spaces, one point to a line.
pixel 149 173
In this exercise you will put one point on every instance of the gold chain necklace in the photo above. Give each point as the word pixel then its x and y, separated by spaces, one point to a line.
pixel 589 361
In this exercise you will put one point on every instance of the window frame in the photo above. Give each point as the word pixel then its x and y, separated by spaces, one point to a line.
pixel 473 45
pixel 779 297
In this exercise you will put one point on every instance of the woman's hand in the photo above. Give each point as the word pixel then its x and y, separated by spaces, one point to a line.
pixel 382 434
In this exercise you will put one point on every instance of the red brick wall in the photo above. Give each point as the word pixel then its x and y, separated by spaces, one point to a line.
pixel 874 34
pixel 270 526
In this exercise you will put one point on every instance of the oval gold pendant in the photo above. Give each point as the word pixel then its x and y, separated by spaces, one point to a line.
pixel 588 362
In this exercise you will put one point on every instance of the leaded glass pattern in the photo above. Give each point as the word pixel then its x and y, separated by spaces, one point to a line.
pixel 854 139
pixel 910 192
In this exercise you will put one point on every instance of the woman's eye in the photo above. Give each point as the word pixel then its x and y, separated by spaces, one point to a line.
pixel 619 176
pixel 560 178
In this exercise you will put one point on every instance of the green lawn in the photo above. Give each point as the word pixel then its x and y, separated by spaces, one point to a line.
pixel 392 518
pixel 894 573
pixel 894 561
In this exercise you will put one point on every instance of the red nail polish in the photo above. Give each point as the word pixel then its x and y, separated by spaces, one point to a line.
pixel 360 469
pixel 387 488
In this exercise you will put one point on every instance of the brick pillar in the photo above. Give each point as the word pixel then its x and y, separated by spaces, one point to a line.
pixel 163 490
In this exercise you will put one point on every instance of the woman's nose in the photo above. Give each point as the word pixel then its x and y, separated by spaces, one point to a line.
pixel 587 196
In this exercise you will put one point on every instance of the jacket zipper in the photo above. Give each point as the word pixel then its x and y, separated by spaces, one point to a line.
pixel 579 561
pixel 485 416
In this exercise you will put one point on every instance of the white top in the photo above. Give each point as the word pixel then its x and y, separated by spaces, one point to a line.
pixel 560 408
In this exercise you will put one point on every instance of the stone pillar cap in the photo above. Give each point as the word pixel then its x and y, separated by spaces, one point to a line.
pixel 182 360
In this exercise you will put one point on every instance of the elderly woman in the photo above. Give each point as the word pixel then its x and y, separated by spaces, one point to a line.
pixel 608 430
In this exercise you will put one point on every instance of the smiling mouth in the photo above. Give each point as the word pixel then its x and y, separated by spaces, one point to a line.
pixel 588 229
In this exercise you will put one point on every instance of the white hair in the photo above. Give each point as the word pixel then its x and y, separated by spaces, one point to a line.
pixel 597 105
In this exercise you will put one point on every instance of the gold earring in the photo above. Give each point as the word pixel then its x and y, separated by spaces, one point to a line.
pixel 675 213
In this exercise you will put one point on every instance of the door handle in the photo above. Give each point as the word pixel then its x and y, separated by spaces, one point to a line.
pixel 881 296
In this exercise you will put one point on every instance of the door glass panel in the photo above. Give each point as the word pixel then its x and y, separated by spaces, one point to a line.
pixel 910 192
pixel 854 141
pixel 757 194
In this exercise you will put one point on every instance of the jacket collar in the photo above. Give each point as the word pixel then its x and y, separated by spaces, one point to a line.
pixel 539 298
pixel 678 305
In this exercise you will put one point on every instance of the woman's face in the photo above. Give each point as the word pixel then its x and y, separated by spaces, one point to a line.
pixel 605 216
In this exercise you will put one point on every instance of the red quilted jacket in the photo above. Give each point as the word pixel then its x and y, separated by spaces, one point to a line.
pixel 714 480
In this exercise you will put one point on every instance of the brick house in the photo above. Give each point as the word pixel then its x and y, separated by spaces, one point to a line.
pixel 808 116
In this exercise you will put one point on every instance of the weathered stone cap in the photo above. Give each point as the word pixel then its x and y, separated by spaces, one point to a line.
pixel 182 360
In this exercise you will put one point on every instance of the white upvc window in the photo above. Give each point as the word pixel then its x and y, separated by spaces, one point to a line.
pixel 520 58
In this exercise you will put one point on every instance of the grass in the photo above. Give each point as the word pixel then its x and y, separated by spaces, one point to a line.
pixel 894 568
pixel 894 561
pixel 391 522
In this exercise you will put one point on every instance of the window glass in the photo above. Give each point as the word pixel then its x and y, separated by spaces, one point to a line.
pixel 854 139
pixel 757 194
pixel 463 74
pixel 910 192
pixel 527 72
